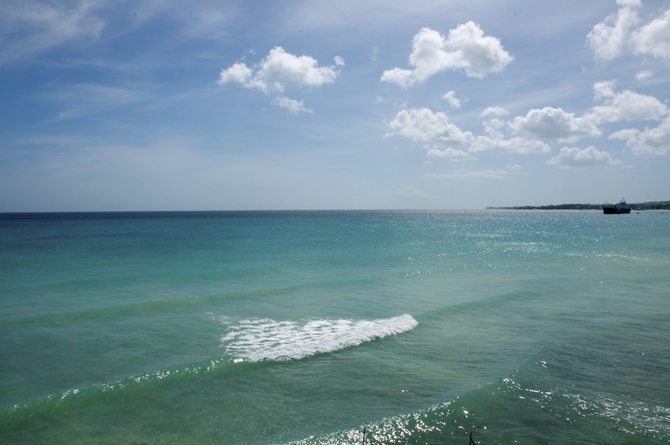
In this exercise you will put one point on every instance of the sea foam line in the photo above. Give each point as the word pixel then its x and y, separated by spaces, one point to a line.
pixel 266 339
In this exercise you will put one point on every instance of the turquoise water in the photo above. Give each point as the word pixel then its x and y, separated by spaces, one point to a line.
pixel 322 327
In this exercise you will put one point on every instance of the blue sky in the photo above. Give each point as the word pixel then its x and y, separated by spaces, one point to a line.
pixel 232 105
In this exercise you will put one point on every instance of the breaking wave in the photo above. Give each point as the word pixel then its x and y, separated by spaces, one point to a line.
pixel 266 339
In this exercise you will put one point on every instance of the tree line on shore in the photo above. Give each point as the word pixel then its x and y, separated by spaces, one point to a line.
pixel 651 205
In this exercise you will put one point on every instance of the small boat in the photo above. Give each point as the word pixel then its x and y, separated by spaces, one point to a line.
pixel 616 209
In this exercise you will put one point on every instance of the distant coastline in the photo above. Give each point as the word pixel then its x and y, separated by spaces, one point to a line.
pixel 651 205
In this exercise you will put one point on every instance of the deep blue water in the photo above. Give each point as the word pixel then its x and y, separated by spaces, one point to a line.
pixel 312 327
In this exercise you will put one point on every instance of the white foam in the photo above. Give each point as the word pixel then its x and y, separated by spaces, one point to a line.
pixel 266 339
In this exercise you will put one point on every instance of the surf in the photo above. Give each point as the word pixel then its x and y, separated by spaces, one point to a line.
pixel 260 339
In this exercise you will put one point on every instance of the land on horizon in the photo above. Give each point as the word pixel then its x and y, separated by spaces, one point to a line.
pixel 650 205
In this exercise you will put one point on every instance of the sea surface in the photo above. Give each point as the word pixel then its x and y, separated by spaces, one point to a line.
pixel 375 327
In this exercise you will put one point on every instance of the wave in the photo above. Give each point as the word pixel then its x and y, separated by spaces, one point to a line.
pixel 265 339
pixel 248 341
pixel 431 423
pixel 132 309
pixel 511 410
pixel 128 386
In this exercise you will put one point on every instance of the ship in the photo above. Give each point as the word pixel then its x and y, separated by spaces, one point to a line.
pixel 616 209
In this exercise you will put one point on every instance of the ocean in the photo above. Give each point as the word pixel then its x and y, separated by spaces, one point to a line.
pixel 335 327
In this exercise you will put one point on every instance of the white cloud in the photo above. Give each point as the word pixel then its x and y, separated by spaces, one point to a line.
pixel 617 33
pixel 649 142
pixel 278 69
pixel 514 145
pixel 643 75
pixel 654 37
pixel 494 111
pixel 604 90
pixel 239 73
pixel 479 55
pixel 293 106
pixel 452 99
pixel 554 123
pixel 609 37
pixel 626 105
pixel 574 157
pixel 339 61
pixel 495 142
pixel 447 153
pixel 424 125
pixel 466 48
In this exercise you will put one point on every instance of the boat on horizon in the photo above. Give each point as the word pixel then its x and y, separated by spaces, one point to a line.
pixel 616 209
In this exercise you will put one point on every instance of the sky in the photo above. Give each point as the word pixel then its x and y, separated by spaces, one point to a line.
pixel 311 104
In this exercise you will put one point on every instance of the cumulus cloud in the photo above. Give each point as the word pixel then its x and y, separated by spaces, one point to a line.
pixel 654 37
pixel 466 48
pixel 517 145
pixel 447 153
pixel 648 142
pixel 452 99
pixel 424 125
pixel 609 37
pixel 240 73
pixel 495 142
pixel 619 32
pixel 278 69
pixel 626 105
pixel 293 106
pixel 494 111
pixel 554 123
pixel 574 157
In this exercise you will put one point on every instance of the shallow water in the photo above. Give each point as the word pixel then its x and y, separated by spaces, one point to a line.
pixel 313 327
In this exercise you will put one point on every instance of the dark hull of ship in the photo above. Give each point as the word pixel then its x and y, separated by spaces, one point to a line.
pixel 614 211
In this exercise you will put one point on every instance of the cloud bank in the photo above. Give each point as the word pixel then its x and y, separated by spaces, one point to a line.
pixel 527 134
